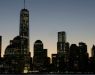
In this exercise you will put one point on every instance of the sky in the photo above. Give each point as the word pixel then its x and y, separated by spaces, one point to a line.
pixel 47 17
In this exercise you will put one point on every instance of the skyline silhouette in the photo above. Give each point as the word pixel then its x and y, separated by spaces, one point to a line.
pixel 69 58
pixel 47 18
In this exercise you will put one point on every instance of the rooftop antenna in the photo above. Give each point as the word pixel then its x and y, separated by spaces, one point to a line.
pixel 24 4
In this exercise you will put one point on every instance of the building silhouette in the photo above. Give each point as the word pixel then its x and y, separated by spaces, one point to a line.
pixel 24 33
pixel 92 60
pixel 66 56
pixel 40 59
pixel 74 58
pixel 0 45
pixel 63 52
pixel 55 64
pixel 68 59
pixel 17 53
pixel 93 51
pixel 60 50
pixel 61 42
pixel 83 58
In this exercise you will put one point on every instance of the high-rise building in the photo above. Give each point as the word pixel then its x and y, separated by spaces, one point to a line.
pixel 40 58
pixel 18 50
pixel 0 45
pixel 24 30
pixel 74 57
pixel 66 56
pixel 66 52
pixel 61 50
pixel 62 36
pixel 24 34
pixel 61 42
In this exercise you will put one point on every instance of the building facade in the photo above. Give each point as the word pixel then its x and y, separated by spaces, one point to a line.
pixel 61 42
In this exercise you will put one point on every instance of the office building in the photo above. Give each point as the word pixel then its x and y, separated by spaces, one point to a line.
pixel 18 50
pixel 83 59
pixel 61 42
pixel 74 58
pixel 40 59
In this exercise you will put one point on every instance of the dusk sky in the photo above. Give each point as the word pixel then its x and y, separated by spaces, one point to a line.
pixel 47 17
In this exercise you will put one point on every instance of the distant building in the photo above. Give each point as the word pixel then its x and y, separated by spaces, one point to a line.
pixel 0 45
pixel 66 52
pixel 61 50
pixel 66 56
pixel 55 63
pixel 17 53
pixel 40 59
pixel 83 60
pixel 54 59
pixel 61 42
pixel 93 51
pixel 92 60
pixel 24 33
pixel 74 58
pixel 82 47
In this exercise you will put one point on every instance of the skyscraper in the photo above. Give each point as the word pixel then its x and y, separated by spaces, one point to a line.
pixel 40 58
pixel 61 42
pixel 74 57
pixel 83 57
pixel 18 50
pixel 61 50
pixel 24 30
pixel 66 52
pixel 24 34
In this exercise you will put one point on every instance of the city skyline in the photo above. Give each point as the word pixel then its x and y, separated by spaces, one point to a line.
pixel 47 17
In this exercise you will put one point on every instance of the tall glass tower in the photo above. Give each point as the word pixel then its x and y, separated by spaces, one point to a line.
pixel 24 30
pixel 60 50
pixel 18 50
pixel 24 34
pixel 24 23
pixel 61 42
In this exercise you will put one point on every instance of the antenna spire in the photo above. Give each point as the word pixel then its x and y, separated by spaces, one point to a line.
pixel 24 4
